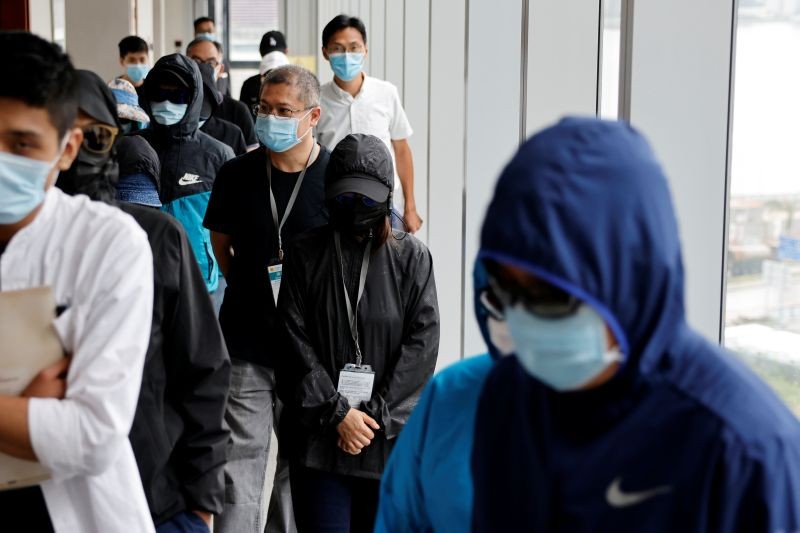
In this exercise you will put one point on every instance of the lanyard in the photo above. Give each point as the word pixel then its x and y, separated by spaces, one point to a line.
pixel 352 315
pixel 273 204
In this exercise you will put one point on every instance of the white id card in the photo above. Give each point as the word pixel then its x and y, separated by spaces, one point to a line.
pixel 355 384
pixel 275 275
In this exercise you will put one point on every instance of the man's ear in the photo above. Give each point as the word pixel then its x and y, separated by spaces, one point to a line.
pixel 71 149
pixel 315 114
pixel 122 61
pixel 68 155
pixel 325 54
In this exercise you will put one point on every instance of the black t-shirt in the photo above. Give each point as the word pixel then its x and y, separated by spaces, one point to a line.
pixel 25 506
pixel 240 207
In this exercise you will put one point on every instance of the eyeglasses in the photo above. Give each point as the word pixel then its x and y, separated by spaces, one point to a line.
pixel 541 299
pixel 176 96
pixel 350 198
pixel 211 62
pixel 99 138
pixel 339 49
pixel 280 112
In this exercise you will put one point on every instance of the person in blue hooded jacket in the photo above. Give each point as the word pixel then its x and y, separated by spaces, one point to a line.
pixel 612 414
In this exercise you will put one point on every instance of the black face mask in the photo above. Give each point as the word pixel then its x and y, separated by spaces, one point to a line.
pixel 356 219
pixel 94 175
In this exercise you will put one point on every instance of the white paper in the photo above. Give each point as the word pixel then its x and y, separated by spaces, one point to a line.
pixel 28 343
pixel 356 386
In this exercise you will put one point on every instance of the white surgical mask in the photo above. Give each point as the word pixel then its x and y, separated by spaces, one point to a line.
pixel 564 353
pixel 22 184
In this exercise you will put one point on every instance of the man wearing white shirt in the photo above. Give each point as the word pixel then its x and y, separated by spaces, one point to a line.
pixel 356 103
pixel 74 417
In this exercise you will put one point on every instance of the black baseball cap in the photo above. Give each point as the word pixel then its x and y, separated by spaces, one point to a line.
pixel 271 41
pixel 361 164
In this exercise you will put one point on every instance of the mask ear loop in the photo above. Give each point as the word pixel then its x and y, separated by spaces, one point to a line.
pixel 310 128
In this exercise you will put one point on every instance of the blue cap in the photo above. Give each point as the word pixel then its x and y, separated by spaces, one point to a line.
pixel 139 189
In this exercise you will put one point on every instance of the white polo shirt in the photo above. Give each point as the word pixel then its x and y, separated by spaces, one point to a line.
pixel 98 262
pixel 375 110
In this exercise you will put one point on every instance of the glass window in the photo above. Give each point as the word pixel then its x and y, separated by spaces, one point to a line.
pixel 609 66
pixel 249 20
pixel 762 307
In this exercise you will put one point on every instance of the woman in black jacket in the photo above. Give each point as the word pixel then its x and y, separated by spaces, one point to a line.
pixel 349 391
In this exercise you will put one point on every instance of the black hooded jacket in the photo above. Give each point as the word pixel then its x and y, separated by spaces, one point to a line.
pixel 181 148
pixel 190 160
pixel 236 112
pixel 178 435
pixel 398 323
pixel 222 130
pixel 136 156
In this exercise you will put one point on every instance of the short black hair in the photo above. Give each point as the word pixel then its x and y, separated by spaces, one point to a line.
pixel 341 22
pixel 131 45
pixel 39 74
pixel 203 20
pixel 195 42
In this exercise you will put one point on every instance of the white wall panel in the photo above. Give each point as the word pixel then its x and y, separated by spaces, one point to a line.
pixel 376 39
pixel 303 37
pixel 97 50
pixel 144 20
pixel 326 10
pixel 395 43
pixel 416 57
pixel 562 60
pixel 493 123
pixel 446 169
pixel 40 18
pixel 679 72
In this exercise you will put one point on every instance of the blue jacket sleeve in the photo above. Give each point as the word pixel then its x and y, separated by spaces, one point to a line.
pixel 402 506
pixel 761 488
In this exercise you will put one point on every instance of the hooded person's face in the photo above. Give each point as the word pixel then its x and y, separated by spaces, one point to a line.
pixel 557 338
pixel 169 104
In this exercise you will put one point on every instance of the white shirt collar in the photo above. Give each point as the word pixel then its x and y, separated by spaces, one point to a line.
pixel 341 93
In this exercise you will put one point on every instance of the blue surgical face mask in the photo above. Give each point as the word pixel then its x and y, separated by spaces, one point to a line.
pixel 206 36
pixel 277 133
pixel 22 182
pixel 137 72
pixel 564 353
pixel 167 113
pixel 347 66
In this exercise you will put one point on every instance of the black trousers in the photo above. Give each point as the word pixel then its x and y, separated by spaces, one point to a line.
pixel 24 510
pixel 333 503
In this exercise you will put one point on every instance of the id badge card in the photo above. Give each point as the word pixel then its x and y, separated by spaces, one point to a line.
pixel 355 383
pixel 275 275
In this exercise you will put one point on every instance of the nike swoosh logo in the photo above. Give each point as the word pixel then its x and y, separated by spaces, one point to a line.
pixel 616 498
pixel 189 179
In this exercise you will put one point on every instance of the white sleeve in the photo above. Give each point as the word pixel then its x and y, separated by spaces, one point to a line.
pixel 400 128
pixel 109 327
